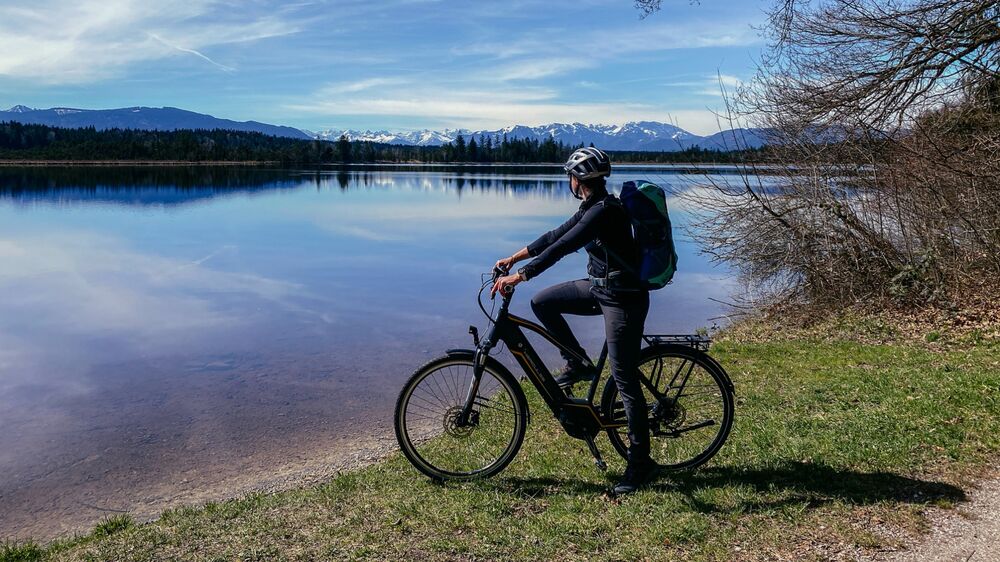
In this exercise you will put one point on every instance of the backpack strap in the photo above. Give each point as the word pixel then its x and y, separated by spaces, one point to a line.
pixel 608 281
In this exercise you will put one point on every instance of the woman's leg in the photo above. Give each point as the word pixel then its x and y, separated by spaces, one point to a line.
pixel 624 319
pixel 571 297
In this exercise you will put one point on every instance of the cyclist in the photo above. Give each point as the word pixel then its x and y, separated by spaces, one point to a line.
pixel 602 227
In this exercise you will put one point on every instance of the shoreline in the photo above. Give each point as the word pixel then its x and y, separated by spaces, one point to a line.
pixel 269 476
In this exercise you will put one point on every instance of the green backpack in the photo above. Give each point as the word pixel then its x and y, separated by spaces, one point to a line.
pixel 645 203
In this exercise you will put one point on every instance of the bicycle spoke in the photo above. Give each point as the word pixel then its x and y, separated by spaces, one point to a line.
pixel 486 403
pixel 654 379
pixel 699 425
pixel 680 387
pixel 677 373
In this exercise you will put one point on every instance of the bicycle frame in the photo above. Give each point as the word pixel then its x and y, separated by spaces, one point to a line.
pixel 579 417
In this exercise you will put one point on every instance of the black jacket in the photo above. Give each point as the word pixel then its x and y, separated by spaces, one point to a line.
pixel 600 224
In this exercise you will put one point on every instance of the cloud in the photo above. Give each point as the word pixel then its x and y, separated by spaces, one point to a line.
pixel 73 282
pixel 720 84
pixel 512 82
pixel 360 85
pixel 193 52
pixel 536 68
pixel 66 41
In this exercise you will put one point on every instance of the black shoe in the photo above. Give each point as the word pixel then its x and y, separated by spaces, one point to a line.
pixel 575 373
pixel 637 474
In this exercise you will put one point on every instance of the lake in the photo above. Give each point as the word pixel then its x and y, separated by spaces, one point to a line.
pixel 176 335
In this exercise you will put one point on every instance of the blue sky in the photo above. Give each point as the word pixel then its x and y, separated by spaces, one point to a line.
pixel 392 64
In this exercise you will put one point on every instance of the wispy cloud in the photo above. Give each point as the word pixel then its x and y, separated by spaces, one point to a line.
pixel 193 52
pixel 68 41
pixel 361 85
pixel 720 84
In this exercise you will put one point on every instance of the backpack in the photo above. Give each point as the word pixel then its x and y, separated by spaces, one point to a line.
pixel 645 203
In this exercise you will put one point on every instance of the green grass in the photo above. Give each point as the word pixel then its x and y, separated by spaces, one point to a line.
pixel 21 552
pixel 834 443
pixel 112 525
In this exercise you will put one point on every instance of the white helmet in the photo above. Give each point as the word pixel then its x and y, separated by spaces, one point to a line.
pixel 588 163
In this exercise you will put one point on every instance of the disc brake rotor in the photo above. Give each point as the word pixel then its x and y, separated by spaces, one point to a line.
pixel 669 413
pixel 453 428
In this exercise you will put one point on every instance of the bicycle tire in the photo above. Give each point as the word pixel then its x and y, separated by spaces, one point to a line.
pixel 722 391
pixel 440 439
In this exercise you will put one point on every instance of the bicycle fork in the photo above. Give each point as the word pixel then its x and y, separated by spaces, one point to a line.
pixel 478 365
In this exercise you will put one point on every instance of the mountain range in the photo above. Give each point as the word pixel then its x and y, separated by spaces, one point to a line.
pixel 145 118
pixel 636 135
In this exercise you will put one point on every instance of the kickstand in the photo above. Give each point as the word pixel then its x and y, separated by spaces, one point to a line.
pixel 598 461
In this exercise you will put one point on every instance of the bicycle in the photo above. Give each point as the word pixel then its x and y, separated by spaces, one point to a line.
pixel 464 415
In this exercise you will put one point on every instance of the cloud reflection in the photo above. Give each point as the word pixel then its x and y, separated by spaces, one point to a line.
pixel 74 298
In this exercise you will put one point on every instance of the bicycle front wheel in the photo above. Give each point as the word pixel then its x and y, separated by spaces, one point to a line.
pixel 689 402
pixel 433 437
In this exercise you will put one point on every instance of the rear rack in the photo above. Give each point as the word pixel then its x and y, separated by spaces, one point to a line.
pixel 696 341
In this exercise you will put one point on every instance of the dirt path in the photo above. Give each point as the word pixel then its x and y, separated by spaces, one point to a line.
pixel 968 533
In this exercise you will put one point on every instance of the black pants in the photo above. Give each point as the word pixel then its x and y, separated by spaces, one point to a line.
pixel 624 317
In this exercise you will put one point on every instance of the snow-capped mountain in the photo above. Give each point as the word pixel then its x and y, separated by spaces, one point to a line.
pixel 635 135
pixel 425 137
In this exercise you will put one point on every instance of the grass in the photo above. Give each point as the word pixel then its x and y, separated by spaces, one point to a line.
pixel 112 525
pixel 837 448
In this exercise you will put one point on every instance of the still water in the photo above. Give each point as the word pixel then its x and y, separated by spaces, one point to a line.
pixel 176 335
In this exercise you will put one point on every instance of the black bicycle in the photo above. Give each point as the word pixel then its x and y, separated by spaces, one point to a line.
pixel 464 415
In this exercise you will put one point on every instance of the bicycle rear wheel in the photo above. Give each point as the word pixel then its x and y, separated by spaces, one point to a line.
pixel 427 420
pixel 690 404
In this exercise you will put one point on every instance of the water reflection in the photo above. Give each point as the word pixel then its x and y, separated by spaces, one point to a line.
pixel 157 185
pixel 167 332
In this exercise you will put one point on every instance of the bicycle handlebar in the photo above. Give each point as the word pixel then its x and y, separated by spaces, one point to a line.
pixel 497 273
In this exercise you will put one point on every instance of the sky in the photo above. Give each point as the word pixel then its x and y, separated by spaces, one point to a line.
pixel 384 64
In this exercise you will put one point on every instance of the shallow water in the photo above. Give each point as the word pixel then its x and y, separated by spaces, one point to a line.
pixel 172 335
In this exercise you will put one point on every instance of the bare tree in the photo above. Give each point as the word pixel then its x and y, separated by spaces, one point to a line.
pixel 883 176
pixel 875 62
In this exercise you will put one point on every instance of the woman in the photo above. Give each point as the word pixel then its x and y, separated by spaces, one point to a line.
pixel 602 227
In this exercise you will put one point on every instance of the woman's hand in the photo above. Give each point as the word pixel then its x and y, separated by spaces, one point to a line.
pixel 504 282
pixel 505 264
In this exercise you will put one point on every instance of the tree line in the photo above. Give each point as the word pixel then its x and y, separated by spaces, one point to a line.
pixel 20 141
